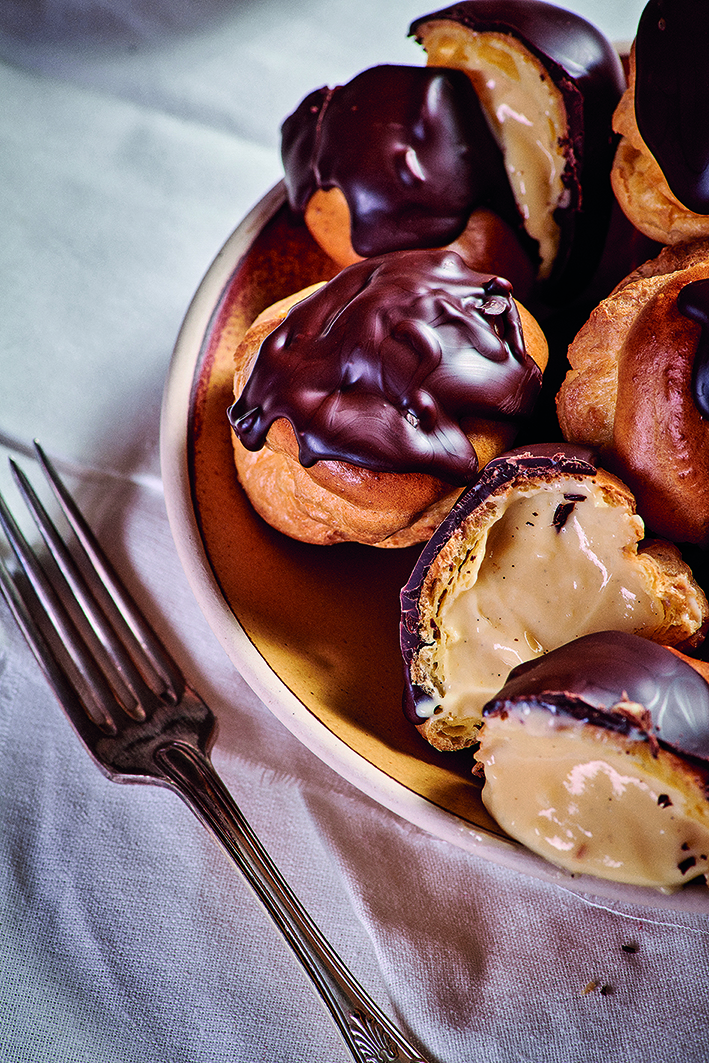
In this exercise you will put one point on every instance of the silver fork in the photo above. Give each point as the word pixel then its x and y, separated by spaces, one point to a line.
pixel 130 704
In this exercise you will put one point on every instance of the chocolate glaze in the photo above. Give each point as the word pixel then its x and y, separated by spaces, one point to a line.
pixel 672 95
pixel 409 149
pixel 587 677
pixel 693 302
pixel 539 459
pixel 381 366
pixel 587 71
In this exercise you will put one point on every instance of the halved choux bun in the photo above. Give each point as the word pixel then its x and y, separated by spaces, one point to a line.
pixel 543 547
pixel 336 500
pixel 629 393
pixel 596 756
pixel 548 82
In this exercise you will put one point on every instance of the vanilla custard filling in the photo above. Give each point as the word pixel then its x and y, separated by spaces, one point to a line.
pixel 557 564
pixel 526 114
pixel 594 802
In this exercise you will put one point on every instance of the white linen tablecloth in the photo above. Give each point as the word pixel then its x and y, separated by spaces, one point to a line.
pixel 133 138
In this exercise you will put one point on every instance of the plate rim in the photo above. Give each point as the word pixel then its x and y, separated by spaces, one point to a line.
pixel 175 422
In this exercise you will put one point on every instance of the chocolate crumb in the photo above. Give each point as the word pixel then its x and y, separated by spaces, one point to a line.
pixel 631 947
pixel 561 515
pixel 685 865
pixel 664 801
pixel 603 987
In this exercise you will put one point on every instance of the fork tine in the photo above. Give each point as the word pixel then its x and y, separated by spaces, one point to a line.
pixel 135 686
pixel 45 656
pixel 101 695
pixel 163 663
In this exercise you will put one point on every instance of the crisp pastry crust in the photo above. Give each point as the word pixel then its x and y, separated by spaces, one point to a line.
pixel 487 244
pixel 629 393
pixel 335 501
pixel 640 185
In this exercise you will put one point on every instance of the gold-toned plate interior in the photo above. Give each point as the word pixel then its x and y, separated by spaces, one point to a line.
pixel 326 619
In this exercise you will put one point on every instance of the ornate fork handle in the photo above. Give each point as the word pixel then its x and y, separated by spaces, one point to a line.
pixel 142 722
pixel 367 1032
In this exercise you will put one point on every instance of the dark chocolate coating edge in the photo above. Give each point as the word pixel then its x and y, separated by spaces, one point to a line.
pixel 586 678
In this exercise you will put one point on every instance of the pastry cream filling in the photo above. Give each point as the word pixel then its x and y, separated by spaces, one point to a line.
pixel 534 583
pixel 594 802
pixel 526 114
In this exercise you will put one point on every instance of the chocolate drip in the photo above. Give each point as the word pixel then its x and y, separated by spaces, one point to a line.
pixel 693 302
pixel 409 149
pixel 672 95
pixel 381 367
pixel 586 678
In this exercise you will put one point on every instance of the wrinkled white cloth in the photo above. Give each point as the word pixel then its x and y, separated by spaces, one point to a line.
pixel 134 135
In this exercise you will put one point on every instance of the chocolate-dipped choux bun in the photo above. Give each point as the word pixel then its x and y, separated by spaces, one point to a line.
pixel 548 82
pixel 501 147
pixel 402 157
pixel 543 547
pixel 596 757
pixel 365 405
pixel 638 389
pixel 661 171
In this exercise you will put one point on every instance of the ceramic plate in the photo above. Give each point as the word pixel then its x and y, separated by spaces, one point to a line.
pixel 313 630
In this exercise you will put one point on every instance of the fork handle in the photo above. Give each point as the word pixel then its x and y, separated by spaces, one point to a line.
pixel 367 1032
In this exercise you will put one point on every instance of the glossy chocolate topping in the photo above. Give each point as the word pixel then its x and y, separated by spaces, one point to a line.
pixel 381 366
pixel 693 302
pixel 672 94
pixel 587 71
pixel 409 149
pixel 589 676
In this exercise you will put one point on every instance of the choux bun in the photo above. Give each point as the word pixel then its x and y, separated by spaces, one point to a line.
pixel 661 170
pixel 637 375
pixel 363 406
